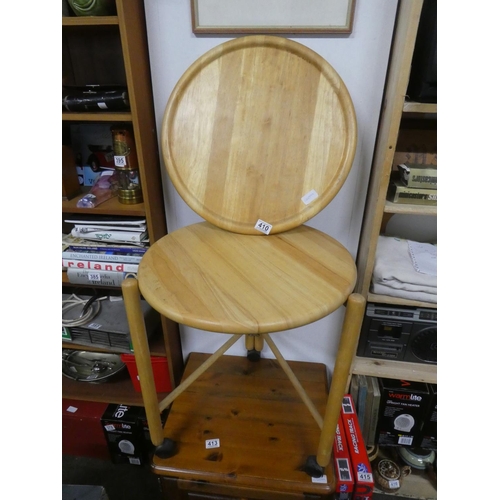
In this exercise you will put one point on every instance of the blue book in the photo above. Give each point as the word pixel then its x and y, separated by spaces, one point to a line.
pixel 362 395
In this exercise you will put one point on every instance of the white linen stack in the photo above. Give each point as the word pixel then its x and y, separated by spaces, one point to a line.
pixel 405 269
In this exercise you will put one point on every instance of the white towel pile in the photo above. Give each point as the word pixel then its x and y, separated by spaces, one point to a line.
pixel 405 269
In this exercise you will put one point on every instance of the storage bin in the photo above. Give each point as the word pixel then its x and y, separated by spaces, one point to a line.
pixel 160 372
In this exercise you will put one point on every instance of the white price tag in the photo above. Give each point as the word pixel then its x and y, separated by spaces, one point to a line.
pixel 94 326
pixel 94 277
pixel 120 161
pixel 310 196
pixel 109 427
pixel 71 409
pixel 394 484
pixel 365 476
pixel 321 479
pixel 263 227
pixel 212 443
pixel 405 440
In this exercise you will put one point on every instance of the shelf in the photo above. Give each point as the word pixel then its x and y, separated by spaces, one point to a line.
pixel 417 485
pixel 387 299
pixel 156 346
pixel 108 116
pixel 419 107
pixel 109 207
pixel 417 372
pixel 408 209
pixel 117 390
pixel 90 21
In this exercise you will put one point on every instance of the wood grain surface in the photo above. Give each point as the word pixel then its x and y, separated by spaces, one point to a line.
pixel 265 431
pixel 252 127
pixel 208 278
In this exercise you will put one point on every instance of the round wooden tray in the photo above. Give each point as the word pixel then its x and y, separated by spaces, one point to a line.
pixel 259 128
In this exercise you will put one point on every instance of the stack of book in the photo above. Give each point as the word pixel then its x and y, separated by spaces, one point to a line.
pixel 414 184
pixel 103 251
pixel 365 392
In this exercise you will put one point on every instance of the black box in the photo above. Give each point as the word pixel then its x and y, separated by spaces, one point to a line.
pixel 429 430
pixel 125 434
pixel 403 407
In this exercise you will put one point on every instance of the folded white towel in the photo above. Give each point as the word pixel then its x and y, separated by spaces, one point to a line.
pixel 404 294
pixel 394 267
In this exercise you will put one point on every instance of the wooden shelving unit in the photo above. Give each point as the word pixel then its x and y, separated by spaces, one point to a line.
pixel 104 50
pixel 378 210
pixel 396 110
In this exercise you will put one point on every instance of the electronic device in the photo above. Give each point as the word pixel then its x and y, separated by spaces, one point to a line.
pixel 399 333
pixel 109 328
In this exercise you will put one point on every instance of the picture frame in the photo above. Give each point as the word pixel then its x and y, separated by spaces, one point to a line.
pixel 272 16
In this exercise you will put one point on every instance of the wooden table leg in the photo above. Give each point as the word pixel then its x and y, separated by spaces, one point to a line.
pixel 135 318
pixel 348 341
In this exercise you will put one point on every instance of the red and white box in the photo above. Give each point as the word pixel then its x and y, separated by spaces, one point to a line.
pixel 363 477
pixel 342 463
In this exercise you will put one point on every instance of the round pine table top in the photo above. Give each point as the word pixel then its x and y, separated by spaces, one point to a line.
pixel 215 280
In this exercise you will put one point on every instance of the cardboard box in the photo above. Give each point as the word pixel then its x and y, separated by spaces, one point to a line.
pixel 429 429
pixel 363 477
pixel 399 193
pixel 124 431
pixel 82 434
pixel 342 465
pixel 418 176
pixel 403 406
pixel 86 176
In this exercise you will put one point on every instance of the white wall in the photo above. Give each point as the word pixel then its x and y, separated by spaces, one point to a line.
pixel 361 60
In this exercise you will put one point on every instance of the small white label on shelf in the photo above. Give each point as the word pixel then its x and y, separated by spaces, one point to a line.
pixel 212 443
pixel 394 484
pixel 109 427
pixel 310 196
pixel 263 227
pixel 321 479
pixel 94 326
pixel 94 277
pixel 71 409
pixel 102 105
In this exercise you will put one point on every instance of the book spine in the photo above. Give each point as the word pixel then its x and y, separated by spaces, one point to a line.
pixel 87 277
pixel 362 401
pixel 101 257
pixel 116 236
pixel 100 266
pixel 372 435
pixel 86 228
pixel 125 249
pixel 368 410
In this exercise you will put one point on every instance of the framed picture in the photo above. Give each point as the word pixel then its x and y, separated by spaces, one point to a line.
pixel 272 16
